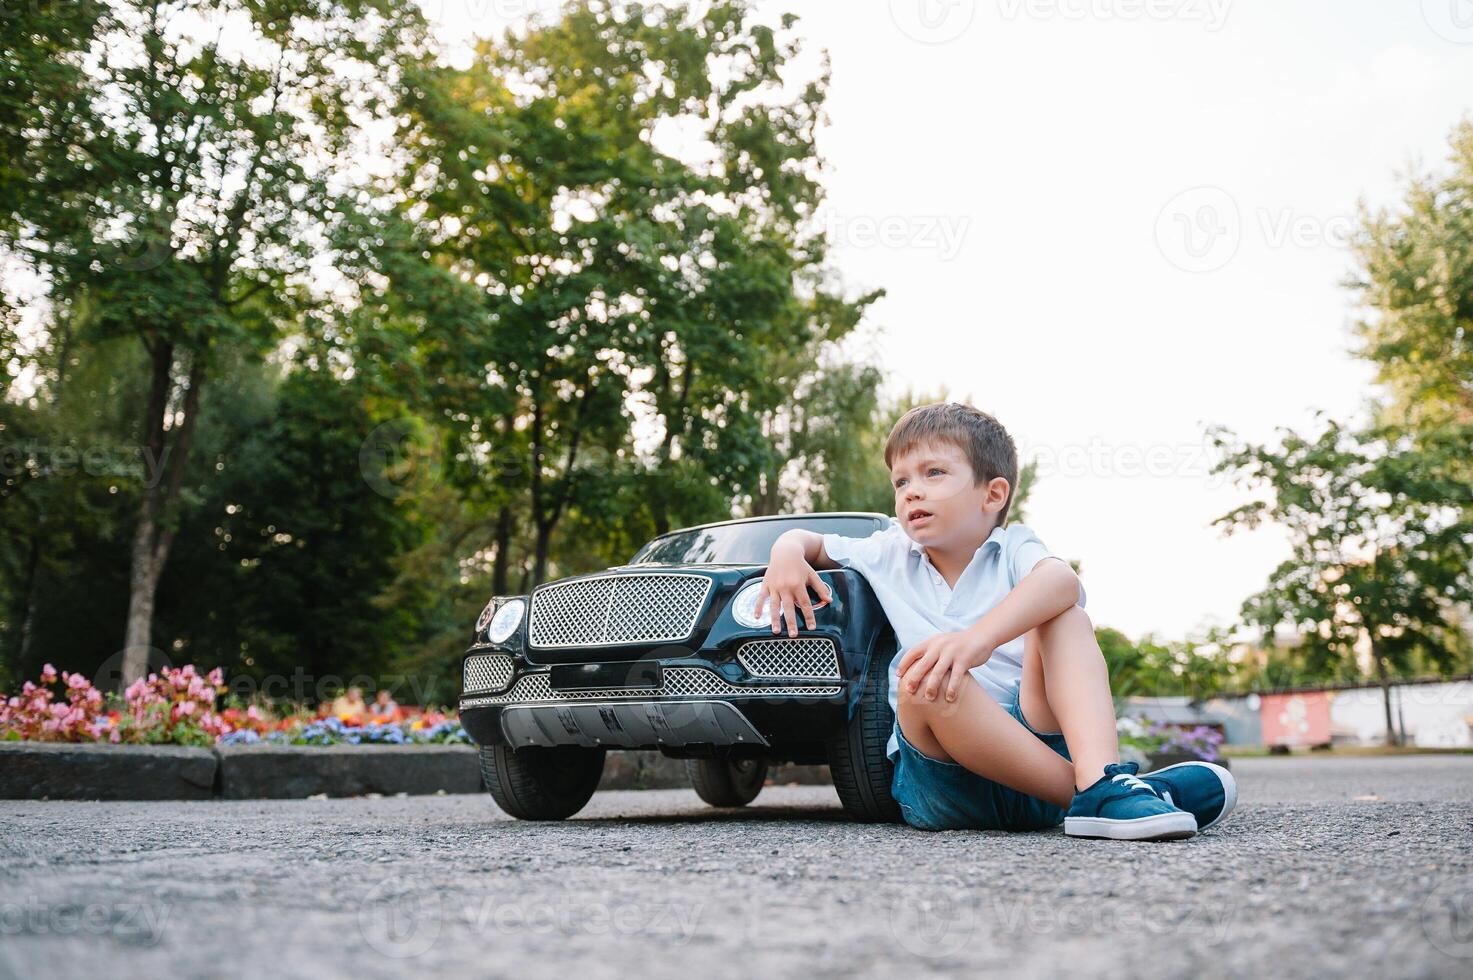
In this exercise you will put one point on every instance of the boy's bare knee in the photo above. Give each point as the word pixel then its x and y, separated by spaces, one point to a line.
pixel 915 702
pixel 915 725
pixel 1073 618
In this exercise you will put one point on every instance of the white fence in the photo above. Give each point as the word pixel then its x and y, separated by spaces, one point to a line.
pixel 1435 716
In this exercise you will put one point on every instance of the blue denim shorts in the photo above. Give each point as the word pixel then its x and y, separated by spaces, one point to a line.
pixel 936 795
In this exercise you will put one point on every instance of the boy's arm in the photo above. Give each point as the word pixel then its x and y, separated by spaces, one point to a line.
pixel 1043 593
pixel 790 574
pixel 807 545
pixel 941 661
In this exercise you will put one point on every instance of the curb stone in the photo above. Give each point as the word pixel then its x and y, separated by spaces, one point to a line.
pixel 83 771
pixel 65 771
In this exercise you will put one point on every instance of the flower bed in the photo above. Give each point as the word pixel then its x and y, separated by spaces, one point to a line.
pixel 427 728
pixel 178 706
pixel 1160 740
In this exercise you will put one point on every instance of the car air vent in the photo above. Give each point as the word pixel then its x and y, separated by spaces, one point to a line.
pixel 790 657
pixel 490 673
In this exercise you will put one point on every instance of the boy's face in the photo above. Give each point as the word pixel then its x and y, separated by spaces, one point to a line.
pixel 937 499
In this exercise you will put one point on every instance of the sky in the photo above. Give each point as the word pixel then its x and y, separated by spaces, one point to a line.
pixel 1112 223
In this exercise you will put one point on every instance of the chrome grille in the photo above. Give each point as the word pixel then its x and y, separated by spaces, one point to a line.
pixel 615 609
pixel 808 656
pixel 680 682
pixel 491 673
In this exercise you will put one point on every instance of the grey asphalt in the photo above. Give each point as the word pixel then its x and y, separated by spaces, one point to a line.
pixel 1330 866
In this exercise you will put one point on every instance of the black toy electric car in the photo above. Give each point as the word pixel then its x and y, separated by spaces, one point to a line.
pixel 665 654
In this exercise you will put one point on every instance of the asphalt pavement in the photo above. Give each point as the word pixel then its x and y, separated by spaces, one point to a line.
pixel 1329 866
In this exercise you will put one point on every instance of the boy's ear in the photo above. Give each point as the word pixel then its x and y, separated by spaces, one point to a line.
pixel 997 494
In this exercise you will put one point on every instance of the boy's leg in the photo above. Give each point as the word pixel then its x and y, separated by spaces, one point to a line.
pixel 978 733
pixel 1066 687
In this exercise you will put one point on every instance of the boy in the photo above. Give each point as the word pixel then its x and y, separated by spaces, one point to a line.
pixel 1004 719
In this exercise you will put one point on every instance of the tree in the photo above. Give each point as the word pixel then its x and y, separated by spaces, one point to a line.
pixel 68 470
pixel 1416 278
pixel 190 183
pixel 1380 536
pixel 287 549
pixel 614 277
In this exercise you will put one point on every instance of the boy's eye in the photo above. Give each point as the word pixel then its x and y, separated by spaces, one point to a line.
pixel 930 472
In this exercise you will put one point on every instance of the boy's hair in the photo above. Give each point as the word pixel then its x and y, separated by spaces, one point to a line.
pixel 989 448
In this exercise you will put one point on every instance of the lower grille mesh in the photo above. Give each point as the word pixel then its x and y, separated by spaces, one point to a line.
pixel 487 673
pixel 680 682
pixel 788 657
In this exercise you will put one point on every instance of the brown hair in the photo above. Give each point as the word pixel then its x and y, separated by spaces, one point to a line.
pixel 988 447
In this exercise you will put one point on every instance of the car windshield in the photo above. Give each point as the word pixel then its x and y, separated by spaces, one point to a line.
pixel 747 543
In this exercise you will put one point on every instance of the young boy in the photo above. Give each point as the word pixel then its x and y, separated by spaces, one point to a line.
pixel 1004 719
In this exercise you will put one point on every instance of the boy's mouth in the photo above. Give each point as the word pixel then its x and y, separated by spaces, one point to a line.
pixel 919 516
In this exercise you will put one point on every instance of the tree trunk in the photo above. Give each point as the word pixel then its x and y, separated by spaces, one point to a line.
pixel 28 621
pixel 143 580
pixel 502 563
pixel 154 536
pixel 1385 680
pixel 539 561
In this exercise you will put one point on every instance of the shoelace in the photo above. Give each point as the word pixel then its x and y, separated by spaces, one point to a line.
pixel 1132 781
pixel 1135 782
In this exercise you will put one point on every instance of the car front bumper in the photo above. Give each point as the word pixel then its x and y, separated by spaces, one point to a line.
pixel 693 707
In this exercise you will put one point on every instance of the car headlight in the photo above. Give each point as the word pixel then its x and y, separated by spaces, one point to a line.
pixel 484 620
pixel 506 620
pixel 744 607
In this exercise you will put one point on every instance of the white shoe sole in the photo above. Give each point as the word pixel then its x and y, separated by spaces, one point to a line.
pixel 1162 826
pixel 1229 788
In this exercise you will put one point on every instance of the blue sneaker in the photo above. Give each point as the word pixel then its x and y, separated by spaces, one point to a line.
pixel 1121 806
pixel 1206 791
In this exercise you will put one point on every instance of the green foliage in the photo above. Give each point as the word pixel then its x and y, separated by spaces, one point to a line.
pixel 290 540
pixel 1380 518
pixel 350 404
pixel 605 328
pixel 1153 668
pixel 1416 278
pixel 1381 544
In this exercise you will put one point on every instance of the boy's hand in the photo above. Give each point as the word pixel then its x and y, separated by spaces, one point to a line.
pixel 940 662
pixel 785 589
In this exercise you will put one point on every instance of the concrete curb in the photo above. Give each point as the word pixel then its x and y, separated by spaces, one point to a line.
pixel 62 771
pixel 295 772
pixel 83 771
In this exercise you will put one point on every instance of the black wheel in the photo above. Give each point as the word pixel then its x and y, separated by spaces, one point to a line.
pixel 857 760
pixel 541 783
pixel 727 782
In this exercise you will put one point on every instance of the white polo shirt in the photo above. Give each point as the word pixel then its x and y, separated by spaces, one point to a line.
pixel 919 603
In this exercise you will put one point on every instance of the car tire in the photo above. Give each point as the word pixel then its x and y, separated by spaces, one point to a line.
pixel 727 782
pixel 541 782
pixel 857 761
